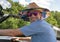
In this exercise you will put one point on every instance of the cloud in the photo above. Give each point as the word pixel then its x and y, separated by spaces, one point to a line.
pixel 5 4
pixel 41 3
pixel 23 2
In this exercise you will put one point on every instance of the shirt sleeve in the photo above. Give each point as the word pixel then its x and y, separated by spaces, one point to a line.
pixel 31 29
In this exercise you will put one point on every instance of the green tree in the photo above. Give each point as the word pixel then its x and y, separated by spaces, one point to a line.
pixel 13 22
pixel 52 20
pixel 57 17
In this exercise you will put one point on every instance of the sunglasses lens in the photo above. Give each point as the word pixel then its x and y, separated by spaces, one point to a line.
pixel 34 13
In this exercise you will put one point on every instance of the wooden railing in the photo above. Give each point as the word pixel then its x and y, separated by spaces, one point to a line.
pixel 14 39
pixel 21 39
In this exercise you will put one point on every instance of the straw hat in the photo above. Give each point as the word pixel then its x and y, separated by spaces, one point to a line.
pixel 34 6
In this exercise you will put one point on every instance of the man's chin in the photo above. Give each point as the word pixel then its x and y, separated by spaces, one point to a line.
pixel 33 20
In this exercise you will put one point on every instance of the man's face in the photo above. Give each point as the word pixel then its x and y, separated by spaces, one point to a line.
pixel 48 13
pixel 34 15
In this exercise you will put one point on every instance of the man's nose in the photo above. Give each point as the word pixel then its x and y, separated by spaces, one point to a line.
pixel 33 15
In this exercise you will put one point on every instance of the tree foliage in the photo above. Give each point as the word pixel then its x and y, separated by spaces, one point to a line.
pixel 52 20
pixel 57 17
pixel 14 23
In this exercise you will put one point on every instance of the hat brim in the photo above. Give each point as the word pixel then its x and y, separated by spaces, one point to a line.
pixel 38 9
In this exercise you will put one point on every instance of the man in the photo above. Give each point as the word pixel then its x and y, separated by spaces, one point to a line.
pixel 39 29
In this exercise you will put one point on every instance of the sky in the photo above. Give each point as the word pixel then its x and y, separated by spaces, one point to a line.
pixel 5 4
pixel 50 4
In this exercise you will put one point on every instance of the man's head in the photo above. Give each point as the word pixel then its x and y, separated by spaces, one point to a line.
pixel 45 13
pixel 35 12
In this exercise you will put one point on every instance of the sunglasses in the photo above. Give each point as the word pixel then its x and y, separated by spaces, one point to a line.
pixel 33 13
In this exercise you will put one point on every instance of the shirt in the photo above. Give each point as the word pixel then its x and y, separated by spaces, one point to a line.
pixel 40 31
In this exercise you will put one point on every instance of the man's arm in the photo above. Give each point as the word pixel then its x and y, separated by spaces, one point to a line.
pixel 10 32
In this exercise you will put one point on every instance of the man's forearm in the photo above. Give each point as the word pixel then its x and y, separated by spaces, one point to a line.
pixel 10 32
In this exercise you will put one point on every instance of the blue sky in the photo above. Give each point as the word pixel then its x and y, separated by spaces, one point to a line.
pixel 51 4
pixel 55 5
